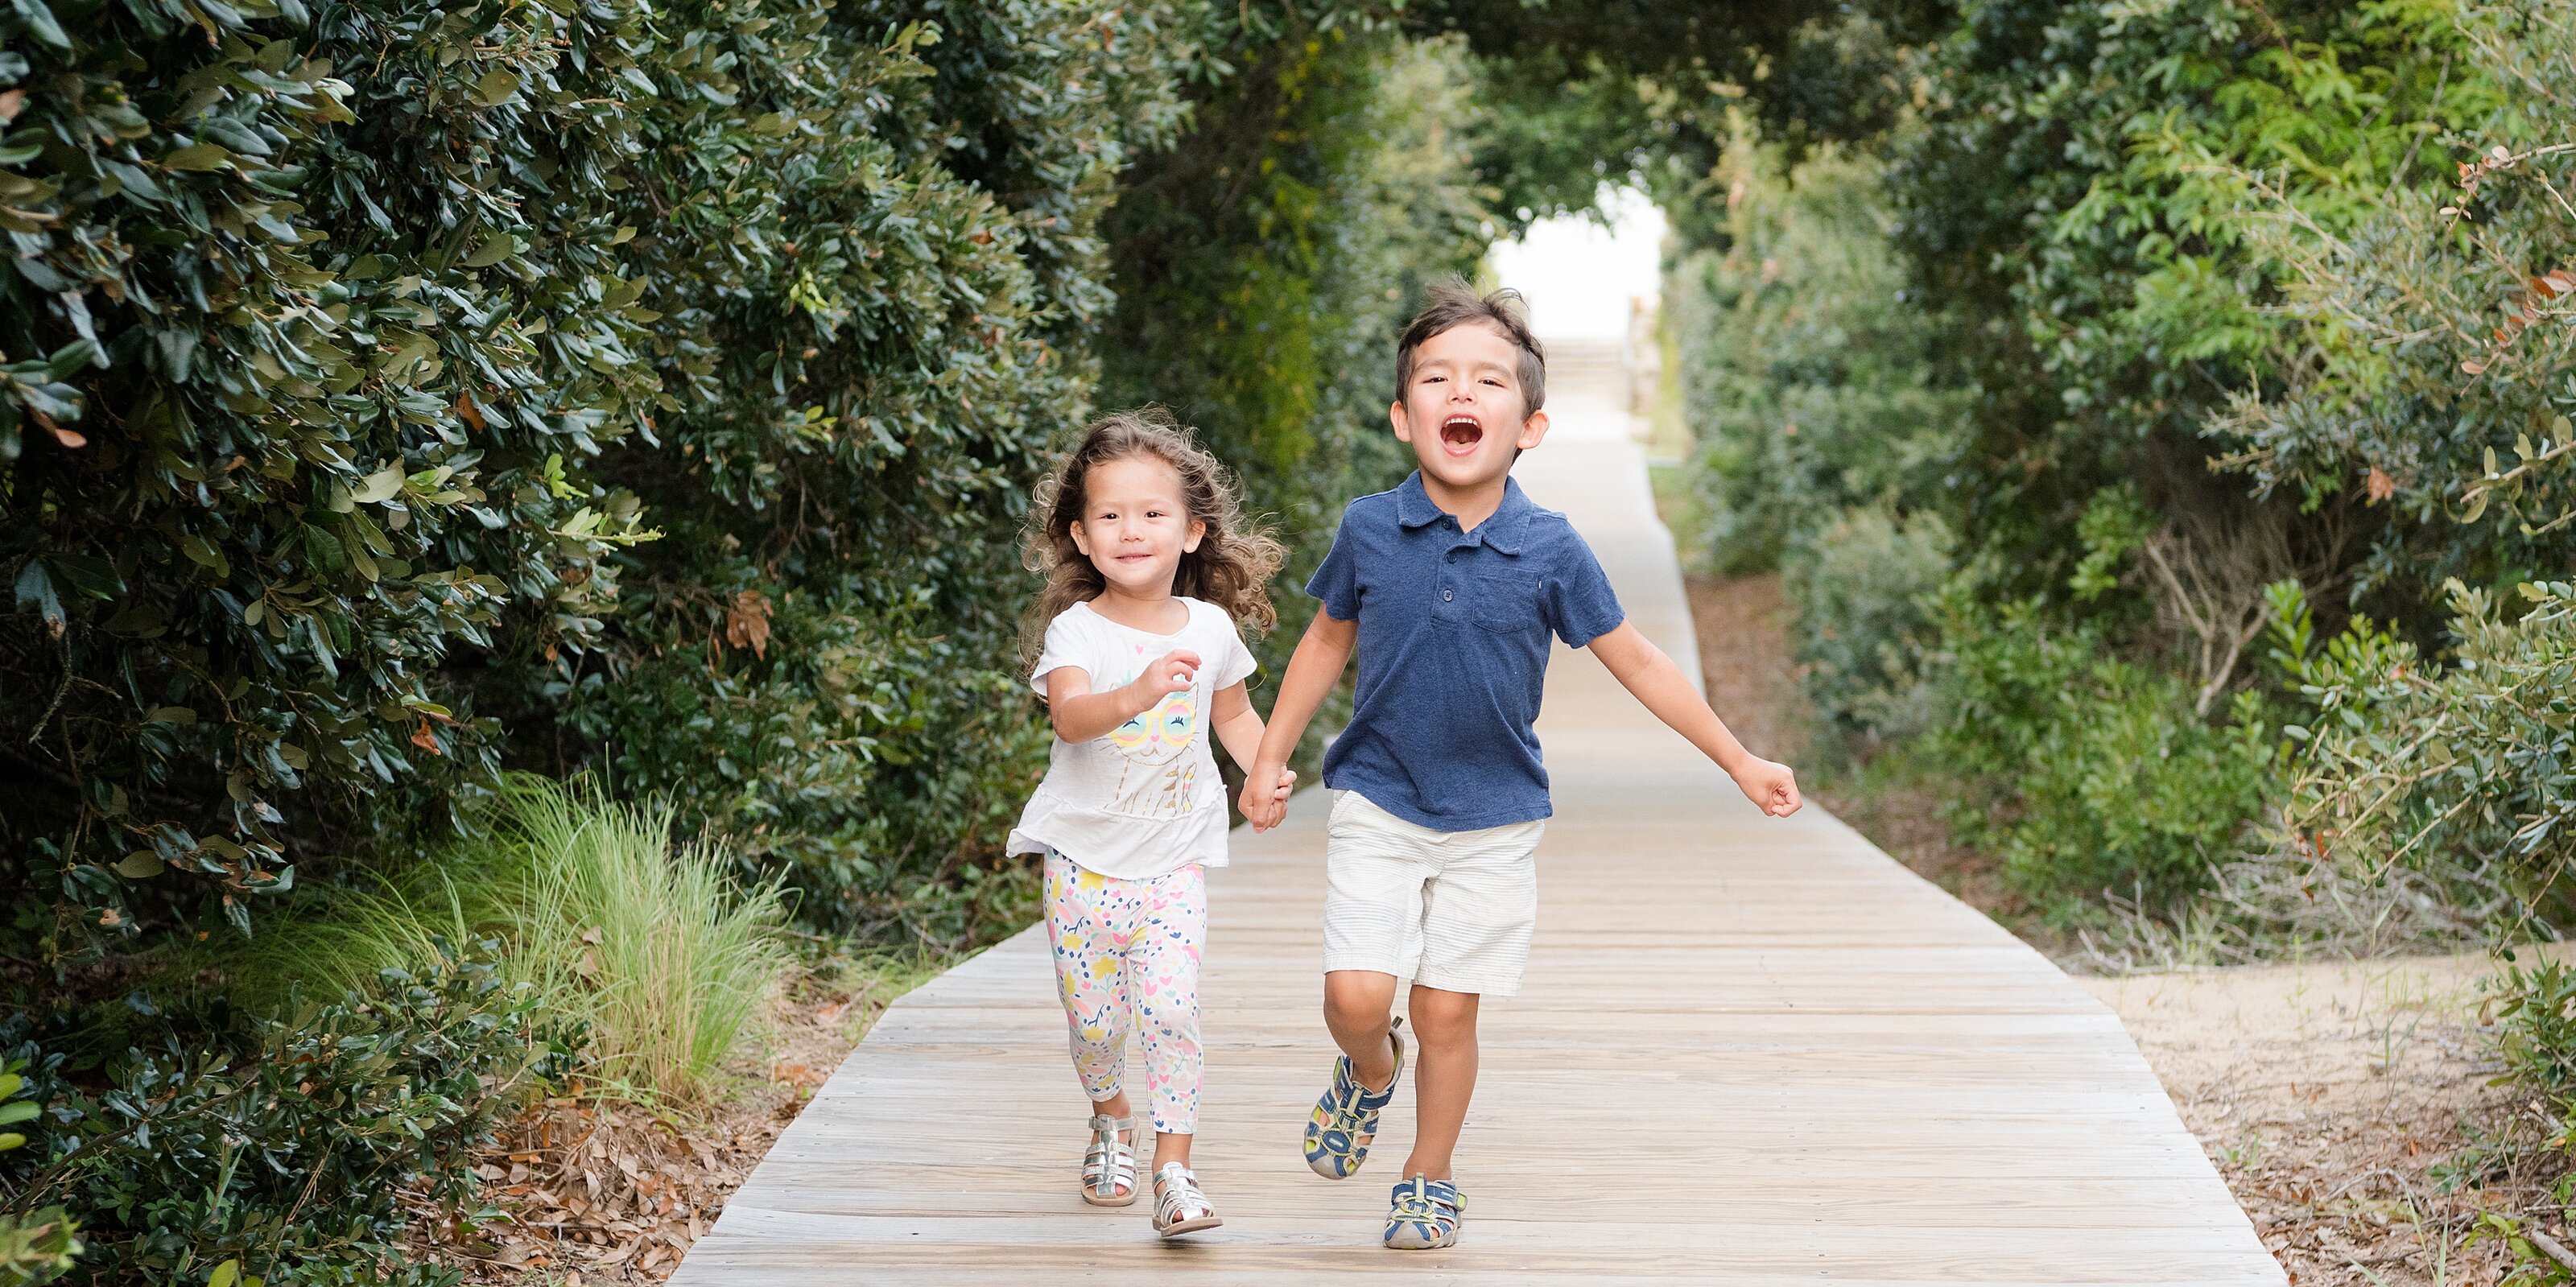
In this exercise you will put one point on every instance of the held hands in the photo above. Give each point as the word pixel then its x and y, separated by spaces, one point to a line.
pixel 1771 786
pixel 1265 794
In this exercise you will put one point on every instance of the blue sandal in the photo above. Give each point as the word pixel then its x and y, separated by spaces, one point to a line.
pixel 1345 1119
pixel 1424 1215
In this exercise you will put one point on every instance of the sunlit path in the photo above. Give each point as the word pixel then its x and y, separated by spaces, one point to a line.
pixel 1750 1050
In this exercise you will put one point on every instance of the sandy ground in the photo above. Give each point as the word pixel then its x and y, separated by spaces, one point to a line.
pixel 2329 1095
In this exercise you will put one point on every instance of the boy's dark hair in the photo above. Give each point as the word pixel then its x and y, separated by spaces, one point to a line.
pixel 1451 304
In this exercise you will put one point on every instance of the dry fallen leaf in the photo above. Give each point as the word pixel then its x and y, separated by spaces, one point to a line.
pixel 747 622
pixel 66 437
pixel 2379 486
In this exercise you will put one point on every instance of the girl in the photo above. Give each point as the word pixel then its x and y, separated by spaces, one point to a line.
pixel 1149 569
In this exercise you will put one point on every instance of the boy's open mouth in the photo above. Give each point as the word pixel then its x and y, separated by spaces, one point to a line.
pixel 1460 433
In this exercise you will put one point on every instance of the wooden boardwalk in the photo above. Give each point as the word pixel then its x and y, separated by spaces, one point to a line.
pixel 1749 1050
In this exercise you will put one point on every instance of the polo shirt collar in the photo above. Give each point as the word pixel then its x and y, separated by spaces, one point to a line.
pixel 1506 529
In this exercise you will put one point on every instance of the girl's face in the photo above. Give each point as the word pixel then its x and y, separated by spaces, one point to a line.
pixel 1136 525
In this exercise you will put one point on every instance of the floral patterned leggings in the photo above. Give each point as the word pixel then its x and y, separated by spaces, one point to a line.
pixel 1127 958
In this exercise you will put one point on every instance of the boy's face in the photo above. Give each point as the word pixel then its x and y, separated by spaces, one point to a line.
pixel 1462 409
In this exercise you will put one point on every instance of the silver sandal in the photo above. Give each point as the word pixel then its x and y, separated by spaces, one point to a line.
pixel 1179 1207
pixel 1109 1165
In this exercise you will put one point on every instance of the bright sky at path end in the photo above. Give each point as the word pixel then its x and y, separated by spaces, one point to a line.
pixel 1580 277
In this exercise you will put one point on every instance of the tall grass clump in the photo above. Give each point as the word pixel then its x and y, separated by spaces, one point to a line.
pixel 655 947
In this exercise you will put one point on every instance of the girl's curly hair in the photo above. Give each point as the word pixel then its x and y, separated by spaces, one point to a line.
pixel 1231 568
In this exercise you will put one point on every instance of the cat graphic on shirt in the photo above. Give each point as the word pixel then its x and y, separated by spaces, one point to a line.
pixel 1156 781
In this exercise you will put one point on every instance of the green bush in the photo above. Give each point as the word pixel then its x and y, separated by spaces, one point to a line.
pixel 40 1245
pixel 37 1248
pixel 2436 348
pixel 297 1149
pixel 2528 1150
pixel 332 380
pixel 653 949
pixel 2075 205
pixel 1809 377
pixel 2096 775
pixel 1859 584
pixel 2415 764
pixel 2536 1034
pixel 2111 251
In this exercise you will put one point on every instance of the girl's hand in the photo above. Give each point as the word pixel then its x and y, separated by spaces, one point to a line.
pixel 1772 787
pixel 1170 673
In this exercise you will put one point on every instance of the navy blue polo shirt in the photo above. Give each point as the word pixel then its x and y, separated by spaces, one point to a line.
pixel 1453 645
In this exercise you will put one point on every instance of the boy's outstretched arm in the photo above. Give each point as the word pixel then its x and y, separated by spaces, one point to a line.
pixel 1238 730
pixel 1316 666
pixel 1643 669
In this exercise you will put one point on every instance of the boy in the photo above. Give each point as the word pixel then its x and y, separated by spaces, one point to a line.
pixel 1448 588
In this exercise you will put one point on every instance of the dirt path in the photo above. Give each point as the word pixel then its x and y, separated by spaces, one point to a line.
pixel 2329 1095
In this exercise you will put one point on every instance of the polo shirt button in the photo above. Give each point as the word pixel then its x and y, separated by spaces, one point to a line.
pixel 1445 596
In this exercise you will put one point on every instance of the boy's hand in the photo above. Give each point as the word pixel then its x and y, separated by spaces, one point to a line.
pixel 1170 673
pixel 1265 794
pixel 1279 799
pixel 1772 787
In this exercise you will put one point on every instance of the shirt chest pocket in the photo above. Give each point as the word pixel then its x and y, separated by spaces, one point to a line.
pixel 1508 601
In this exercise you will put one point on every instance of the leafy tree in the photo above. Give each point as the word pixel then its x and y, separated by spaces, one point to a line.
pixel 1266 262
pixel 2434 370
pixel 2074 199
pixel 1811 378
pixel 363 337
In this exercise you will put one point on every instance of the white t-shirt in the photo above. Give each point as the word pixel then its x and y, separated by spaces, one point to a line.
pixel 1146 799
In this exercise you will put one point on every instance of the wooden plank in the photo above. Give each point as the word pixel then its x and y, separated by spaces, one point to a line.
pixel 1750 1050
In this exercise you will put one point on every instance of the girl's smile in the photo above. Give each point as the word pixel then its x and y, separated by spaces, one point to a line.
pixel 1135 526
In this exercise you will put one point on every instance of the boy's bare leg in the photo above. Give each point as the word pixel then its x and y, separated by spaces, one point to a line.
pixel 1444 1023
pixel 1357 1006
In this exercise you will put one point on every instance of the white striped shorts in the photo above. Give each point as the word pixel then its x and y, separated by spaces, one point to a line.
pixel 1447 909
